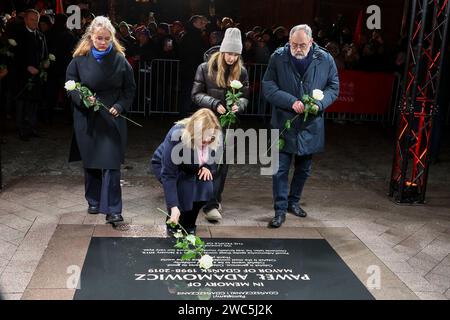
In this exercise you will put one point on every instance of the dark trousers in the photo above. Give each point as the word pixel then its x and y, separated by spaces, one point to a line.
pixel 102 189
pixel 219 184
pixel 26 116
pixel 282 196
pixel 186 104
pixel 188 219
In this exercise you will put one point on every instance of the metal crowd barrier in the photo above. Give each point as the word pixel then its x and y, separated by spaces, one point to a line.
pixel 158 91
pixel 158 87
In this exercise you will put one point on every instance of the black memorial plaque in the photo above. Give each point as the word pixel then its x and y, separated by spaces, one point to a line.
pixel 257 269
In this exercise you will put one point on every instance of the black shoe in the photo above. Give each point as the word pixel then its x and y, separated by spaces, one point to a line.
pixel 93 210
pixel 277 221
pixel 114 218
pixel 297 211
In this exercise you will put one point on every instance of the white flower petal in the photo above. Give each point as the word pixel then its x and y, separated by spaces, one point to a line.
pixel 206 261
pixel 236 84
pixel 318 95
pixel 191 239
pixel 70 85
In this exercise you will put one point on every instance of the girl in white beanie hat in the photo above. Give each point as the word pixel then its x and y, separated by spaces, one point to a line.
pixel 212 80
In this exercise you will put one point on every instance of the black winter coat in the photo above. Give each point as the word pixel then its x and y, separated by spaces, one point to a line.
pixel 207 94
pixel 31 50
pixel 100 138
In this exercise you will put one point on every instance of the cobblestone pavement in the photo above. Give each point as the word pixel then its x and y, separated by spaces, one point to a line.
pixel 347 188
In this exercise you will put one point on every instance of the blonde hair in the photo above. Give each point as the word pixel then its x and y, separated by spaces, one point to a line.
pixel 217 60
pixel 194 127
pixel 85 44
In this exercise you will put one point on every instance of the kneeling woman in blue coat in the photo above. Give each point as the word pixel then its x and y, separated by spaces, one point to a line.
pixel 184 164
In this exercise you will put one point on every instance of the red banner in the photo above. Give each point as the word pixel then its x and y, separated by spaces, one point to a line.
pixel 364 92
pixel 59 7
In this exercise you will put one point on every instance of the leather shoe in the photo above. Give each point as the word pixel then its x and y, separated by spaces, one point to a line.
pixel 296 210
pixel 114 218
pixel 93 210
pixel 277 221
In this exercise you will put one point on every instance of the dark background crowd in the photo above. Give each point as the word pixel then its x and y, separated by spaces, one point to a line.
pixel 151 36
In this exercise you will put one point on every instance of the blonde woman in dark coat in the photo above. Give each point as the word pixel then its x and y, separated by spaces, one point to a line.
pixel 100 137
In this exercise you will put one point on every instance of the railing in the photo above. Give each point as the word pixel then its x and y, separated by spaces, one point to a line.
pixel 158 87
pixel 158 91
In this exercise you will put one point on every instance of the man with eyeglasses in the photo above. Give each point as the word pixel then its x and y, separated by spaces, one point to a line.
pixel 295 70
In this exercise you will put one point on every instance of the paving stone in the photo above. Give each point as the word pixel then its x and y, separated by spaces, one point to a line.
pixel 431 296
pixel 7 233
pixel 15 222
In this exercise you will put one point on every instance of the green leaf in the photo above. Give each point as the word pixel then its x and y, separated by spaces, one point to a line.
pixel 96 107
pixel 188 255
pixel 180 245
pixel 171 223
pixel 86 103
pixel 223 121
pixel 288 124
pixel 281 144
pixel 199 242
pixel 229 103
pixel 239 94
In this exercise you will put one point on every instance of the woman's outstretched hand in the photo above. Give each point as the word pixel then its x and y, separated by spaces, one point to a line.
pixel 175 215
pixel 205 174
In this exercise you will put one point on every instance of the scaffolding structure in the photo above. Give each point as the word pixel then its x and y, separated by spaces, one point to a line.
pixel 418 106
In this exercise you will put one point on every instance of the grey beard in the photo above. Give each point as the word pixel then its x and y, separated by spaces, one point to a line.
pixel 299 57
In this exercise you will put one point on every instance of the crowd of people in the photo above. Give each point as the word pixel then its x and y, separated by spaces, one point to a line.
pixel 186 41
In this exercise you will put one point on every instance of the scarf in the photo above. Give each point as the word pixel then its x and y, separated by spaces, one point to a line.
pixel 99 55
pixel 302 64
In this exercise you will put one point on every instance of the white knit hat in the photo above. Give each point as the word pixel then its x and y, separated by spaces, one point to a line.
pixel 232 41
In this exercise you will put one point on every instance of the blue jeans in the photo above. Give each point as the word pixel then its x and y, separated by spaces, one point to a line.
pixel 282 197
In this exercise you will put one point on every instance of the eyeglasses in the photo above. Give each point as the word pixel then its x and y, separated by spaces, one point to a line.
pixel 302 46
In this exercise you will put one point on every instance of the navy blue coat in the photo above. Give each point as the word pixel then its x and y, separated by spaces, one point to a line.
pixel 282 86
pixel 180 181
pixel 99 138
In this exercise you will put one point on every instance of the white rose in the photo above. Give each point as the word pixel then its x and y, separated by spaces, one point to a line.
pixel 236 84
pixel 318 95
pixel 205 262
pixel 191 239
pixel 178 234
pixel 70 85
pixel 51 57
pixel 12 42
